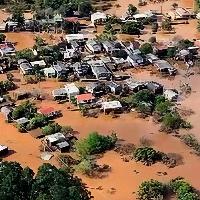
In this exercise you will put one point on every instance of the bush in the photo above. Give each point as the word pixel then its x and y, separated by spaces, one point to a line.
pixel 166 25
pixel 2 37
pixel 147 155
pixel 38 121
pixel 26 109
pixel 25 54
pixel 94 143
pixel 132 9
pixel 163 108
pixel 21 128
pixel 85 167
pixel 132 28
pixel 51 129
pixel 151 190
pixel 146 48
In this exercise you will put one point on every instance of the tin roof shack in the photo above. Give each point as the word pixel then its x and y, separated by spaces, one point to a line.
pixel 100 70
pixel 83 99
pixel 155 87
pixel 61 70
pixel 135 58
pixel 171 95
pixel 72 90
pixel 57 141
pixel 114 87
pixel 50 112
pixel 164 67
pixel 135 86
pixel 60 94
pixel 6 112
pixel 151 58
pixel 3 150
pixel 183 13
pixel 26 68
pixel 93 46
pixel 82 69
pixel 111 46
pixel 110 106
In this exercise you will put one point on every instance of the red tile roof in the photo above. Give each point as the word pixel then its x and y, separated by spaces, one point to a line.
pixel 84 97
pixel 71 19
pixel 46 111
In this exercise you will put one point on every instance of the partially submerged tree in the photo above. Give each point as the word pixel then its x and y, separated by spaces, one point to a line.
pixel 132 9
pixel 146 48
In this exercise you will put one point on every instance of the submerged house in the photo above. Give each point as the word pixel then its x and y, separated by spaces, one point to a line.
pixel 135 58
pixel 85 99
pixel 114 87
pixel 93 46
pixel 26 68
pixel 111 106
pixel 135 86
pixel 171 95
pixel 59 94
pixel 154 87
pixel 100 70
pixel 164 67
pixel 72 90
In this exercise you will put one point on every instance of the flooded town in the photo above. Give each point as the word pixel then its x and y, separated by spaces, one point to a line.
pixel 99 100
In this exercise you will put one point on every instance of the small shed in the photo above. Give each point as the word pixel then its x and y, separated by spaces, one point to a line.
pixel 171 95
pixel 63 146
pixel 59 94
pixel 114 87
pixel 155 87
pixel 54 139
pixel 22 121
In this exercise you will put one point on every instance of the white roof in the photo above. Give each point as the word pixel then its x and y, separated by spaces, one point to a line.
pixel 71 88
pixel 111 105
pixel 71 37
pixel 97 15
pixel 3 147
pixel 49 70
pixel 39 62
pixel 170 93
pixel 55 137
pixel 137 16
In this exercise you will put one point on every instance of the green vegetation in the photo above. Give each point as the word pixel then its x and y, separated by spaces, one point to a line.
pixel 38 121
pixel 132 9
pixel 156 190
pixel 146 155
pixel 131 27
pixel 146 48
pixel 166 25
pixel 49 183
pixel 94 144
pixel 151 190
pixel 2 37
pixel 191 141
pixel 51 129
pixel 6 86
pixel 25 54
pixel 25 109
pixel 183 190
pixel 185 43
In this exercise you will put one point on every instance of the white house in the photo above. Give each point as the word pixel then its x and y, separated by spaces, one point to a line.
pixel 98 16
pixel 72 90
pixel 40 63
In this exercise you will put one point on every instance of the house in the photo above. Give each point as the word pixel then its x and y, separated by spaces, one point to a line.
pixel 75 37
pixel 49 72
pixel 114 87
pixel 3 150
pixel 59 141
pixel 100 70
pixel 151 58
pixel 40 63
pixel 93 46
pixel 71 53
pixel 135 86
pixel 26 68
pixel 80 69
pixel 98 18
pixel 111 46
pixel 97 89
pixel 72 90
pixel 85 98
pixel 59 94
pixel 135 58
pixel 60 70
pixel 111 106
pixel 164 67
pixel 49 112
pixel 171 95
pixel 182 13
pixel 154 87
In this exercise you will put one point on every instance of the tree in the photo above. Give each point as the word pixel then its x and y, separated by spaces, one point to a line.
pixel 17 11
pixel 151 190
pixel 9 76
pixel 185 43
pixel 146 48
pixel 166 25
pixel 2 37
pixel 51 129
pixel 132 9
pixel 38 121
pixel 163 108
pixel 146 155
pixel 131 27
pixel 171 52
pixel 94 143
pixel 120 54
pixel 152 40
pixel 25 54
